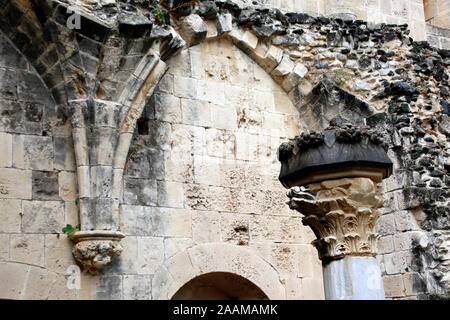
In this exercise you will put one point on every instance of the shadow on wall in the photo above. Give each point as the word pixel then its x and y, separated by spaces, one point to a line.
pixel 220 286
pixel 327 101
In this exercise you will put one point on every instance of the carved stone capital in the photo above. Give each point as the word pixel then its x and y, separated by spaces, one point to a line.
pixel 342 213
pixel 94 249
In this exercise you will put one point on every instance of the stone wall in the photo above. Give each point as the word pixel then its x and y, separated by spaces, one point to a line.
pixel 377 11
pixel 437 12
pixel 204 169
pixel 439 37
pixel 38 189
pixel 200 190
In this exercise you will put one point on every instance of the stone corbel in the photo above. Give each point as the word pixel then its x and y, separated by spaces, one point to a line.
pixel 94 249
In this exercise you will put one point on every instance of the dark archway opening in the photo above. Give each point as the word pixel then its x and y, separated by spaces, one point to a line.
pixel 220 286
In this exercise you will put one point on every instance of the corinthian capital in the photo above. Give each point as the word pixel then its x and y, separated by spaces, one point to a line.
pixel 342 213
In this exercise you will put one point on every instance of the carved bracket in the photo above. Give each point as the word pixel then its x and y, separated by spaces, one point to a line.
pixel 342 213
pixel 94 249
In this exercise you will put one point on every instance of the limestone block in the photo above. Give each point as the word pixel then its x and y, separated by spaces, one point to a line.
pixel 180 267
pixel 403 241
pixel 168 107
pixel 277 229
pixel 58 253
pixel 294 77
pixel 184 87
pixel 397 262
pixel 171 222
pixel 170 194
pixel 163 285
pixel 249 40
pixel 67 182
pixel 10 211
pixel 180 65
pixel 15 183
pixel 385 225
pixel 219 143
pixel 150 254
pixel 413 284
pixel 284 259
pixel 405 221
pixel 137 287
pixel 172 246
pixel 385 245
pixel 312 289
pixel 247 146
pixel 205 226
pixel 64 158
pixel 4 247
pixel 193 29
pixel 235 229
pixel 42 216
pixel 211 91
pixel 38 284
pixel 306 255
pixel 139 191
pixel 223 117
pixel 45 185
pixel 285 67
pixel 12 279
pixel 224 23
pixel 109 287
pixel 60 291
pixel 393 286
pixel 196 112
pixel 6 148
pixel 264 100
pixel 129 257
pixel 27 248
pixel 33 152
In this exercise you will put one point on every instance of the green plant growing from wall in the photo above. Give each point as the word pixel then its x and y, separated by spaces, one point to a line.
pixel 70 230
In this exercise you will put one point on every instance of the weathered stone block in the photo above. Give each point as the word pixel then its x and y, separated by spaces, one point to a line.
pixel 405 221
pixel 58 253
pixel 173 246
pixel 168 222
pixel 150 254
pixel 43 216
pixel 393 286
pixel 27 248
pixel 10 215
pixel 45 185
pixel 12 279
pixel 385 225
pixel 170 194
pixel 67 182
pixel 224 23
pixel 184 87
pixel 205 226
pixel 6 150
pixel 139 191
pixel 33 152
pixel 15 183
pixel 4 247
pixel 294 77
pixel 196 113
pixel 193 29
pixel 397 262
pixel 137 287
pixel 168 107
pixel 385 244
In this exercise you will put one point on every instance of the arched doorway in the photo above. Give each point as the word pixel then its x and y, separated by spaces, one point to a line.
pixel 219 286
